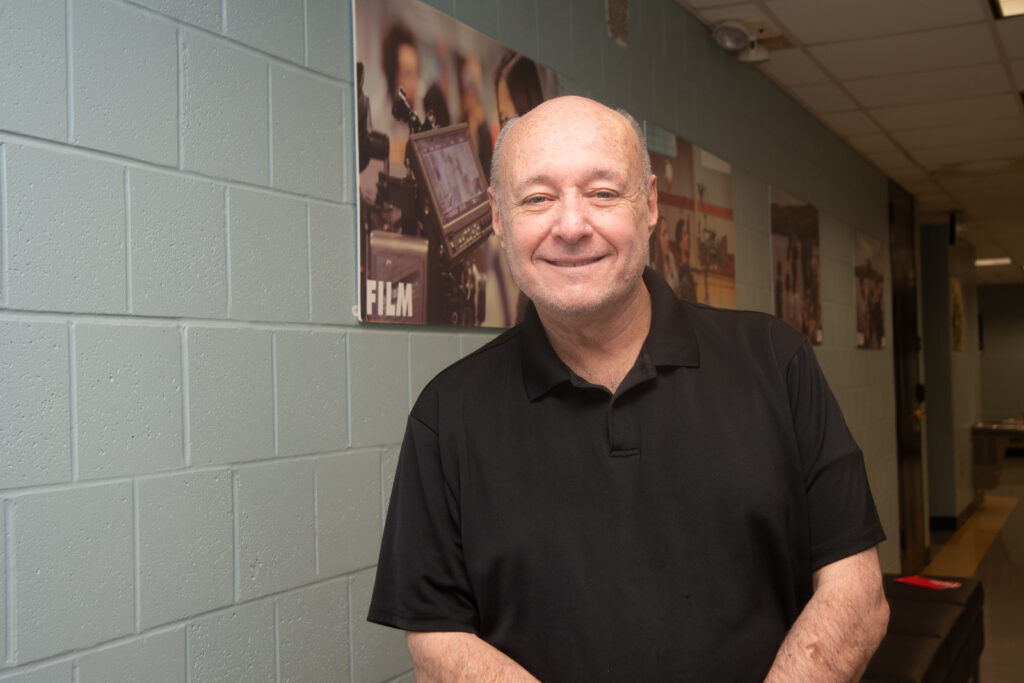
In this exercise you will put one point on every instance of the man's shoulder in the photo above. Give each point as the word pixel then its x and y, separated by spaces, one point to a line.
pixel 477 373
pixel 743 331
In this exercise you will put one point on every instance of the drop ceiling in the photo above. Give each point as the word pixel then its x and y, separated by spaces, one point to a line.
pixel 929 91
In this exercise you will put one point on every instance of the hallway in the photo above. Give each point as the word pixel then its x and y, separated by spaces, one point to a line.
pixel 1000 567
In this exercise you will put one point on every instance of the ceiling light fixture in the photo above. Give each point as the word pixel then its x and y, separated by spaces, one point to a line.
pixel 734 36
pixel 1002 9
pixel 1000 261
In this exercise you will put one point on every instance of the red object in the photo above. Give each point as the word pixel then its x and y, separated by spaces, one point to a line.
pixel 925 582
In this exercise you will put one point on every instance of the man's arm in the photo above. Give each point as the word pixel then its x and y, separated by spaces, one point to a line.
pixel 456 657
pixel 841 626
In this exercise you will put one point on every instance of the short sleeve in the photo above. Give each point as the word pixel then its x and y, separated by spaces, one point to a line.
pixel 841 511
pixel 421 582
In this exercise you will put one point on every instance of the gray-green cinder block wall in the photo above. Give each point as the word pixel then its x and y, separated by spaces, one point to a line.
pixel 1002 361
pixel 197 439
pixel 952 377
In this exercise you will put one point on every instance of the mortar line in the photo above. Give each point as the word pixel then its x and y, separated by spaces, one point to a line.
pixel 305 32
pixel 73 398
pixel 11 585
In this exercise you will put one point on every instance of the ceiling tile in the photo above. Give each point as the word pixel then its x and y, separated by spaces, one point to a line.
pixel 909 175
pixel 1011 31
pixel 993 150
pixel 793 67
pixel 815 21
pixel 849 122
pixel 891 161
pixel 824 97
pixel 745 12
pixel 931 86
pixel 987 108
pixel 908 53
pixel 935 200
pixel 922 188
pixel 960 134
pixel 872 142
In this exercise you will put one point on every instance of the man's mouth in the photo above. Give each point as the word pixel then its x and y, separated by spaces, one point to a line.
pixel 574 263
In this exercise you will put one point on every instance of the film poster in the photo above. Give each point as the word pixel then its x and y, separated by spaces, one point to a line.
pixel 869 283
pixel 693 243
pixel 796 264
pixel 431 95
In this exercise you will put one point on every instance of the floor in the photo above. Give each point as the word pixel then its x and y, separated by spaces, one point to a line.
pixel 990 547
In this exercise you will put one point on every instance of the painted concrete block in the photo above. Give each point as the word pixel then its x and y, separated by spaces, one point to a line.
pixel 225 116
pixel 555 36
pixel 379 386
pixel 129 399
pixel 53 673
pixel 332 234
pixel 615 72
pixel 481 15
pixel 312 392
pixel 348 512
pixel 328 42
pixel 269 257
pixel 66 232
pixel 3 586
pixel 307 124
pixel 33 69
pixel 428 355
pixel 231 395
pixel 348 139
pixel 186 545
pixel 589 30
pixel 378 652
pixel 158 658
pixel 73 569
pixel 274 26
pixel 236 644
pixel 312 631
pixel 35 404
pixel 517 26
pixel 276 536
pixel 125 82
pixel 203 13
pixel 178 246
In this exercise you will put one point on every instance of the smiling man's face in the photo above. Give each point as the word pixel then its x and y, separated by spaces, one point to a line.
pixel 575 212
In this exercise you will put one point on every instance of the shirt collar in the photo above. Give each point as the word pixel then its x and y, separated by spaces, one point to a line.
pixel 671 341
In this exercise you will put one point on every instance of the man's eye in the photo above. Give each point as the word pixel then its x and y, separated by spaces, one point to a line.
pixel 604 194
pixel 536 199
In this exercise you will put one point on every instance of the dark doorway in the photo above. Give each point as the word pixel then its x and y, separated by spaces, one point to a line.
pixel 909 391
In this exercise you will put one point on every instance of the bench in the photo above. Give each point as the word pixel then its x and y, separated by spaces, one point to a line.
pixel 934 636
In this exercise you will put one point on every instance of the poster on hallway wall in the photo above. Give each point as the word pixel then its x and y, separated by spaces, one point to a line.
pixel 693 243
pixel 869 283
pixel 431 94
pixel 796 264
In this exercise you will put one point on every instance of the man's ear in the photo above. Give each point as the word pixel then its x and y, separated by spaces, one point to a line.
pixel 496 217
pixel 652 204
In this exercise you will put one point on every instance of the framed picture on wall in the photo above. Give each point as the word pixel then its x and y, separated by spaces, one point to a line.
pixel 796 264
pixel 431 95
pixel 693 243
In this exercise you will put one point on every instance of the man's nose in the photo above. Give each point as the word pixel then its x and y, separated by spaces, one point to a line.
pixel 573 223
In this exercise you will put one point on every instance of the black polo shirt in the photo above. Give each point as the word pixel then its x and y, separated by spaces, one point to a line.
pixel 666 532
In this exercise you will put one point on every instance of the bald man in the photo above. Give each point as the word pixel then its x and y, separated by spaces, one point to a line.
pixel 624 487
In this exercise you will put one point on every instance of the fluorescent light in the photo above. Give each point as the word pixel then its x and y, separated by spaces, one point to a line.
pixel 1009 8
pixel 1001 261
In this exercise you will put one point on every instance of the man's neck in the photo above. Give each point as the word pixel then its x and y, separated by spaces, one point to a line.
pixel 600 348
